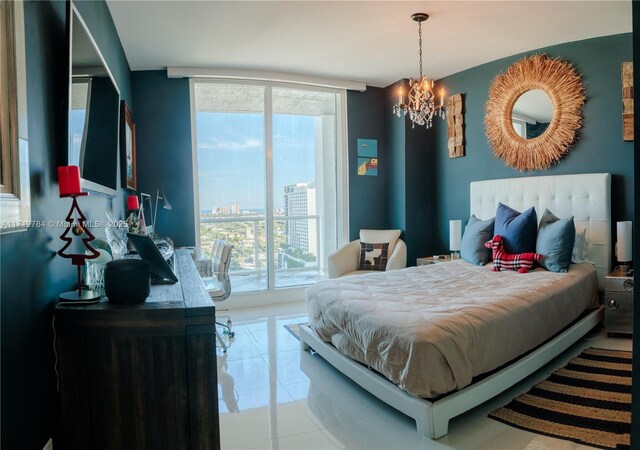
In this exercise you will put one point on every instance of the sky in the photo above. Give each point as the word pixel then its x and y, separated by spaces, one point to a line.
pixel 231 157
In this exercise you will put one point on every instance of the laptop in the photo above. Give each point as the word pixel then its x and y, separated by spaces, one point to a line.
pixel 161 271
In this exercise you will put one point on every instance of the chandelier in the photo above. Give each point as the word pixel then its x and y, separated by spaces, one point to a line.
pixel 420 104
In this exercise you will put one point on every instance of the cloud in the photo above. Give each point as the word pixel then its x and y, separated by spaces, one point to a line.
pixel 229 145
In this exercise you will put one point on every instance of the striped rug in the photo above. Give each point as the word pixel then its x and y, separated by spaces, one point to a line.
pixel 588 401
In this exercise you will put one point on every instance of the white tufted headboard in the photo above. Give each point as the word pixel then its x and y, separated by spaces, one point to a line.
pixel 586 197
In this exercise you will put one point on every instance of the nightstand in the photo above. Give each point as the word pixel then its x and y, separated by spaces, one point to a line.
pixel 425 261
pixel 618 302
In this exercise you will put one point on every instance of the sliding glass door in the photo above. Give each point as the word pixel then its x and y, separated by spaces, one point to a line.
pixel 267 165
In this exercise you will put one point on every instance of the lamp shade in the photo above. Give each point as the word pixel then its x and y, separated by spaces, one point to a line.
pixel 165 201
pixel 132 203
pixel 623 246
pixel 455 235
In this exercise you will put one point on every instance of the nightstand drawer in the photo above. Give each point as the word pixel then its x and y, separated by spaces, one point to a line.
pixel 619 312
pixel 618 284
pixel 618 302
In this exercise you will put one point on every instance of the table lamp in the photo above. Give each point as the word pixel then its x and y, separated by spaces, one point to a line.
pixel 455 236
pixel 624 245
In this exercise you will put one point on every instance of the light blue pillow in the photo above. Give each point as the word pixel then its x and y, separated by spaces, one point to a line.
pixel 476 233
pixel 518 229
pixel 555 242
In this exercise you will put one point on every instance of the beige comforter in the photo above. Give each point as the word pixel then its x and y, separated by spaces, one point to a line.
pixel 431 329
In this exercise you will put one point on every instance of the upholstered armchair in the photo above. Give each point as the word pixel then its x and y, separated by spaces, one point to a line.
pixel 345 260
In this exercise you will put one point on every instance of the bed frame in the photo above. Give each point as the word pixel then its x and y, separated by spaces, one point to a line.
pixel 587 197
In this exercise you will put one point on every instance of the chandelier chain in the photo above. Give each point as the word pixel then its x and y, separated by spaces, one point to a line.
pixel 420 45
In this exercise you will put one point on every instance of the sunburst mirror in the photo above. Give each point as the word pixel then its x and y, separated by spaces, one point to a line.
pixel 534 111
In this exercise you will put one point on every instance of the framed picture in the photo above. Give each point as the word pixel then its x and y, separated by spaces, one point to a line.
pixel 128 147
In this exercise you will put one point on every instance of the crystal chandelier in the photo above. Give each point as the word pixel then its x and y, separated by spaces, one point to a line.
pixel 420 104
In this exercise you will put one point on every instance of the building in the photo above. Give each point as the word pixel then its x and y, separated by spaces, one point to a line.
pixel 300 200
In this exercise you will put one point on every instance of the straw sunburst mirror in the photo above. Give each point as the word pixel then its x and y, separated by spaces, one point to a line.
pixel 509 132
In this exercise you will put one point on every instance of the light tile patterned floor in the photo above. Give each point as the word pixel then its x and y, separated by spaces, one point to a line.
pixel 284 399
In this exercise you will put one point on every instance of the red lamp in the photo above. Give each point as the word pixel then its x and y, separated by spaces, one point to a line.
pixel 69 182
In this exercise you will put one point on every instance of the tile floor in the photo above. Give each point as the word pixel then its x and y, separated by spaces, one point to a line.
pixel 272 396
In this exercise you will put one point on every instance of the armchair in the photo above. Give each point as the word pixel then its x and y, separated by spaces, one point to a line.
pixel 345 260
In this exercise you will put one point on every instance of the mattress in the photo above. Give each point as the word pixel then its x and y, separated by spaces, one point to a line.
pixel 431 329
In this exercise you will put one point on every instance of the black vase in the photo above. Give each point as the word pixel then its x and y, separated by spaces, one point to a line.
pixel 127 281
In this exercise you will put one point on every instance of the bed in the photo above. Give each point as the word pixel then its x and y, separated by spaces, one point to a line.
pixel 435 341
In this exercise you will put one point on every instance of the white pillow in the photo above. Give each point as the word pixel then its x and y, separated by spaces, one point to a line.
pixel 380 237
pixel 580 246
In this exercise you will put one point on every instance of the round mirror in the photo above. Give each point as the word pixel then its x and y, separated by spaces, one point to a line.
pixel 532 114
pixel 551 82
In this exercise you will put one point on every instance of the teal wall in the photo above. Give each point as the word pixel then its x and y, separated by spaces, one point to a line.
pixel 368 196
pixel 97 16
pixel 411 200
pixel 164 153
pixel 32 276
pixel 599 149
pixel 396 137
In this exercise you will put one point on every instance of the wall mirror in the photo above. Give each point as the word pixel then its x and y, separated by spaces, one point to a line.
pixel 94 105
pixel 534 112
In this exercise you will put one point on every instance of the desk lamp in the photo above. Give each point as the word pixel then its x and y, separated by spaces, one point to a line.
pixel 165 205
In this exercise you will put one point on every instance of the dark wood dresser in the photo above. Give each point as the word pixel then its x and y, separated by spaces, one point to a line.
pixel 143 376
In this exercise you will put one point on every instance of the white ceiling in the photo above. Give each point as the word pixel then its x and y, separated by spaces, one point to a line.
pixel 372 42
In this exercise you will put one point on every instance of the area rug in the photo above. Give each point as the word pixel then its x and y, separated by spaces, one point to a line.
pixel 588 401
pixel 294 328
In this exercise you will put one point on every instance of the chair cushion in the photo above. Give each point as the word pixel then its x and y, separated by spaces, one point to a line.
pixel 556 239
pixel 373 256
pixel 221 262
pixel 381 236
pixel 476 233
pixel 518 230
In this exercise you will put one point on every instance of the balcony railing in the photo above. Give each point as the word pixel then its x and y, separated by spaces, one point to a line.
pixel 296 248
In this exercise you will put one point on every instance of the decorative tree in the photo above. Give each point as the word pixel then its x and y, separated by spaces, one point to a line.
pixel 76 221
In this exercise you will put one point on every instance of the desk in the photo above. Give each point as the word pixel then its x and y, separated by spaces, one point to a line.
pixel 140 376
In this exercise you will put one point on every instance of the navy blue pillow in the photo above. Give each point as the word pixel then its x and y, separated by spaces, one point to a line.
pixel 519 230
pixel 555 242
pixel 476 233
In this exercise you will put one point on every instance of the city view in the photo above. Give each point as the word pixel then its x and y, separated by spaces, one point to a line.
pixel 238 171
pixel 295 232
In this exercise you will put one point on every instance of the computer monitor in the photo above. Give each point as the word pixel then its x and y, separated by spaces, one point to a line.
pixel 161 272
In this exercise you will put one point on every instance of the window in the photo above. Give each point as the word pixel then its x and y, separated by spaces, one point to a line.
pixel 15 197
pixel 269 159
pixel 520 126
